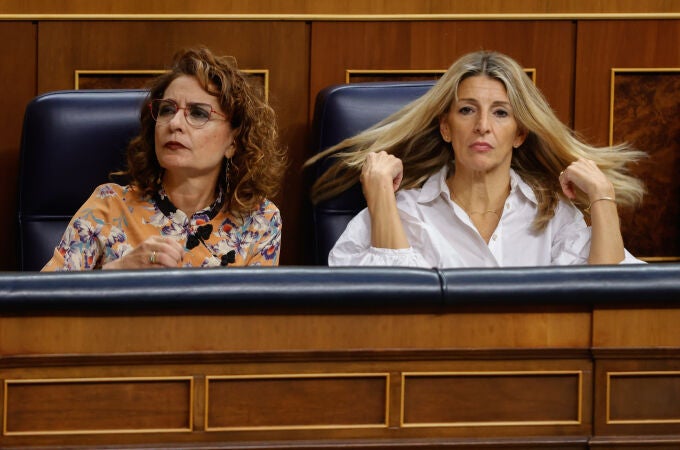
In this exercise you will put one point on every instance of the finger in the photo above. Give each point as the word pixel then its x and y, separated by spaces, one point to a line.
pixel 566 185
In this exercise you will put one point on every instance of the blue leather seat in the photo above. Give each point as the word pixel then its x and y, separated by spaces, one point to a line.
pixel 342 111
pixel 71 141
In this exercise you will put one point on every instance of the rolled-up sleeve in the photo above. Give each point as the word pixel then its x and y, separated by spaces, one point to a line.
pixel 353 248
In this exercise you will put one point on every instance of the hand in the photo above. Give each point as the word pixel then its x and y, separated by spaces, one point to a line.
pixel 381 169
pixel 584 175
pixel 155 252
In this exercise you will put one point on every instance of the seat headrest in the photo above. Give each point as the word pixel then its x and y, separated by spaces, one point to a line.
pixel 71 142
pixel 340 112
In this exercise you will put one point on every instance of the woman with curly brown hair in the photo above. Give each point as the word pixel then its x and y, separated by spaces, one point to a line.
pixel 201 171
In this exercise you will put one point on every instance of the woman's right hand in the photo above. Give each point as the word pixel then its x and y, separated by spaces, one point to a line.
pixel 380 172
pixel 156 252
pixel 381 176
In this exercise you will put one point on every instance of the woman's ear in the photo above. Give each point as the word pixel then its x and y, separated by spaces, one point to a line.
pixel 230 150
pixel 444 128
pixel 520 138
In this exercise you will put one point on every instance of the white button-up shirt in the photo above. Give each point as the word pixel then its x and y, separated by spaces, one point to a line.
pixel 442 235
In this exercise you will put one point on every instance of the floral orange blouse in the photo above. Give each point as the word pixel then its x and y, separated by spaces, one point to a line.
pixel 116 219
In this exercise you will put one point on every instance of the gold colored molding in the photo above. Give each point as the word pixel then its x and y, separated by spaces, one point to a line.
pixel 8 382
pixel 608 419
pixel 265 75
pixel 579 407
pixel 80 72
pixel 209 378
pixel 343 17
pixel 425 72
pixel 612 95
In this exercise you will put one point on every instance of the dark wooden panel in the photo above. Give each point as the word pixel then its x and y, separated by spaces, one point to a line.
pixel 651 98
pixel 486 399
pixel 90 406
pixel 280 47
pixel 435 45
pixel 17 87
pixel 636 397
pixel 639 397
pixel 351 401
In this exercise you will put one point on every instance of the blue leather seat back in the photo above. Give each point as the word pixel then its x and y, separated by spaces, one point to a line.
pixel 71 142
pixel 342 111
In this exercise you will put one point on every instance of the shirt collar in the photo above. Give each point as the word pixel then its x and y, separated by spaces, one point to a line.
pixel 170 210
pixel 436 186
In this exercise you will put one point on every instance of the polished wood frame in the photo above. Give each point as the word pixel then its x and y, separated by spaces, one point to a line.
pixel 83 72
pixel 410 72
pixel 8 382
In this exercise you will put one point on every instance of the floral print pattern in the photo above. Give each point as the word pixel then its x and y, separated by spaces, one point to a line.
pixel 116 219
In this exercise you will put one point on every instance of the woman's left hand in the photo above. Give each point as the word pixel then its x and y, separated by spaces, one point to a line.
pixel 584 175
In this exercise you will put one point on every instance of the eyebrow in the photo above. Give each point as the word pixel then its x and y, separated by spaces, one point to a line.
pixel 495 103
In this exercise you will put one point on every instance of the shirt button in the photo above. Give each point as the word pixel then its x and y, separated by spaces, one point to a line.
pixel 507 205
pixel 494 237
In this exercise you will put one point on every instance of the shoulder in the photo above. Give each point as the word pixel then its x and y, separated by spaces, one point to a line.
pixel 267 209
pixel 264 213
pixel 113 197
pixel 113 191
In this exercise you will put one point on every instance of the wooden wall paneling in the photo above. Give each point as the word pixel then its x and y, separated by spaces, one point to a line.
pixel 607 46
pixel 332 7
pixel 17 87
pixel 76 334
pixel 637 374
pixel 651 97
pixel 98 406
pixel 547 47
pixel 282 48
pixel 322 377
pixel 636 401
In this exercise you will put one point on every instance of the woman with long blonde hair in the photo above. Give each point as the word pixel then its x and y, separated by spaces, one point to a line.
pixel 485 175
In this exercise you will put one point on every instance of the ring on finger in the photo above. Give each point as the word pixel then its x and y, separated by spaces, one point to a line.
pixel 152 257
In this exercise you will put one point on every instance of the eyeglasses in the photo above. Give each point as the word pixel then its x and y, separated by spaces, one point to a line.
pixel 196 114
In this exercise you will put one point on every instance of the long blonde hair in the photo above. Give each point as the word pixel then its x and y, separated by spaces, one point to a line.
pixel 412 134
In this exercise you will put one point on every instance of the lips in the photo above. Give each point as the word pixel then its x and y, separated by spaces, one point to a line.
pixel 481 146
pixel 174 145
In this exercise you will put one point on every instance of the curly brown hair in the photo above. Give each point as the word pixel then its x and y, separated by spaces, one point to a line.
pixel 259 161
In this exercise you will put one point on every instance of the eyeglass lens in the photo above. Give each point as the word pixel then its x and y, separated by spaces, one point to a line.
pixel 197 114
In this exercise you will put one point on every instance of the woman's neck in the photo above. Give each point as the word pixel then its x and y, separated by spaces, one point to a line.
pixel 190 195
pixel 479 191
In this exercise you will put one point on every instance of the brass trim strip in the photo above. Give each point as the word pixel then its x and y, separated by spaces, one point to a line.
pixel 608 419
pixel 346 17
pixel 190 428
pixel 579 412
pixel 384 375
pixel 425 72
pixel 79 72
